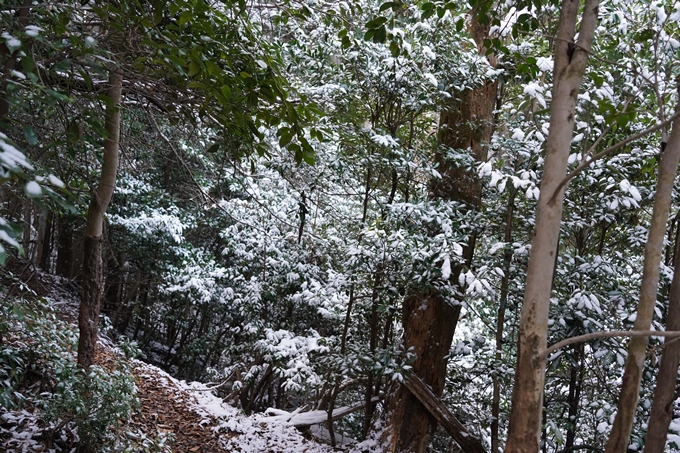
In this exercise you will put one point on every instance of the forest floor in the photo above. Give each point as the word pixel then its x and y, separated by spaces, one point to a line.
pixel 188 414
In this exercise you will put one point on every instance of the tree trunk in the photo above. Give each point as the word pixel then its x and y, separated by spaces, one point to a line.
pixel 664 393
pixel 428 321
pixel 570 63
pixel 574 396
pixel 88 316
pixel 637 348
pixel 28 210
pixel 10 63
pixel 64 246
pixel 505 290
pixel 46 253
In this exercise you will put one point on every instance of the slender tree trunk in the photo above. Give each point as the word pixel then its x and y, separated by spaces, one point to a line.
pixel 574 396
pixel 664 393
pixel 637 348
pixel 46 252
pixel 38 227
pixel 429 322
pixel 375 301
pixel 88 317
pixel 570 63
pixel 10 63
pixel 505 289
pixel 26 234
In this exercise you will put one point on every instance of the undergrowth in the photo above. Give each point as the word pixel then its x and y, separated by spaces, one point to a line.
pixel 47 402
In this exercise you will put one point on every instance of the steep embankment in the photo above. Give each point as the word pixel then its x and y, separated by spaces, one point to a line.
pixel 38 322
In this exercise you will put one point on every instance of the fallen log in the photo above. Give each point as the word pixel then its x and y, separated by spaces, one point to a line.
pixel 306 419
pixel 468 442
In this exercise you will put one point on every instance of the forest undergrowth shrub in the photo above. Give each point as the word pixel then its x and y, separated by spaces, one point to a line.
pixel 45 398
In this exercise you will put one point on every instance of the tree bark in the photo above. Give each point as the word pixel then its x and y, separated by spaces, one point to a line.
pixel 468 442
pixel 88 316
pixel 46 253
pixel 500 322
pixel 570 63
pixel 429 322
pixel 664 393
pixel 574 396
pixel 637 348
pixel 10 63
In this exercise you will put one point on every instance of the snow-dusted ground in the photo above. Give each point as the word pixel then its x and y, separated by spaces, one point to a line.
pixel 240 433
pixel 259 432
pixel 273 431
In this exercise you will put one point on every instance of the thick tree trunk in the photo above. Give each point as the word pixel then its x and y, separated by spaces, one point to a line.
pixel 429 322
pixel 664 393
pixel 88 317
pixel 570 64
pixel 637 348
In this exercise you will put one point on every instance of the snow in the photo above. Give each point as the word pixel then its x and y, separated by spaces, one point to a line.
pixel 428 53
pixel 33 30
pixel 432 79
pixel 33 189
pixel 11 41
pixel 446 269
pixel 55 181
pixel 8 239
pixel 535 90
pixel 385 140
pixel 675 15
pixel 545 64
pixel 241 433
pixel 12 157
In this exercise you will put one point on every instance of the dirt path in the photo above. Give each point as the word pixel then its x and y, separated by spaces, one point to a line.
pixel 166 408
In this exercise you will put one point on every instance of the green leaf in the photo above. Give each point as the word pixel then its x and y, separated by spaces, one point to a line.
pixel 394 48
pixel 30 135
pixel 597 80
pixel 644 35
pixel 194 68
pixel 380 35
pixel 185 17
pixel 389 5
pixel 285 136
pixel 27 64
pixel 460 24
pixel 377 22
pixel 213 148
pixel 58 96
pixel 622 119
pixel 226 92
pixel 178 61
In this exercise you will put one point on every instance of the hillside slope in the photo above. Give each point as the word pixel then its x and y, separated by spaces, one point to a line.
pixel 172 415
